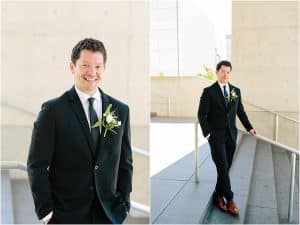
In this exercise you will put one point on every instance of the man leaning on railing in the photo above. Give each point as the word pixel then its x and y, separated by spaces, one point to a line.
pixel 219 105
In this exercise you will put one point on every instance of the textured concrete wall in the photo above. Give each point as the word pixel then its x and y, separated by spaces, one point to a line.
pixel 265 52
pixel 176 97
pixel 37 39
pixel 265 55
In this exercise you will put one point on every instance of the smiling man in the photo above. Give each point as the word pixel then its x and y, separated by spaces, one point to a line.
pixel 76 173
pixel 219 105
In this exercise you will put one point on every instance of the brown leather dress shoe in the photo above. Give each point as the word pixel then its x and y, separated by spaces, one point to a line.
pixel 232 208
pixel 220 203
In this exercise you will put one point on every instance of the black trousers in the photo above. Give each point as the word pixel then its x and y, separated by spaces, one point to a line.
pixel 222 151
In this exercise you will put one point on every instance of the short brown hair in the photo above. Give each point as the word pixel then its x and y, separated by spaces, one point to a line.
pixel 223 63
pixel 89 44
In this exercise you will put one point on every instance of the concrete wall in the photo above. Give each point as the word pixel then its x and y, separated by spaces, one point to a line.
pixel 265 47
pixel 36 42
pixel 176 97
pixel 265 55
pixel 37 39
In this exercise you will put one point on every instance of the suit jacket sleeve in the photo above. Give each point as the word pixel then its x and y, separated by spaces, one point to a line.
pixel 39 160
pixel 203 110
pixel 124 185
pixel 242 114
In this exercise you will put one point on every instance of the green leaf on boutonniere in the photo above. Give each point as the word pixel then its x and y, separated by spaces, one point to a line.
pixel 96 124
pixel 109 121
pixel 232 95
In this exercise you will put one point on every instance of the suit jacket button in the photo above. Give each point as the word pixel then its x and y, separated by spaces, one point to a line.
pixel 96 167
pixel 91 188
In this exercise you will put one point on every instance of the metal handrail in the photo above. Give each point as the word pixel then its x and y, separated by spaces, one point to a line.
pixel 135 149
pixel 196 154
pixel 141 151
pixel 140 207
pixel 292 150
pixel 7 165
pixel 271 111
pixel 277 115
pixel 292 188
pixel 276 143
pixel 18 108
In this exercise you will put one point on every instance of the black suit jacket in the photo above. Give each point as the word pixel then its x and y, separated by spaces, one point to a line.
pixel 64 169
pixel 214 116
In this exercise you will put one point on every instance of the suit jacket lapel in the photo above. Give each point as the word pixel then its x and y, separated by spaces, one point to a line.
pixel 105 103
pixel 219 92
pixel 79 111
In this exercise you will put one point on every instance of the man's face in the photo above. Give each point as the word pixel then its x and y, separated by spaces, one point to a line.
pixel 88 71
pixel 223 74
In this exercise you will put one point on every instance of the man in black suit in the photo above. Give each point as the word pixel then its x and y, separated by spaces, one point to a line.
pixel 80 172
pixel 219 105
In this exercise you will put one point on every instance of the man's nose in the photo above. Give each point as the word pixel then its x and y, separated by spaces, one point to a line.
pixel 92 70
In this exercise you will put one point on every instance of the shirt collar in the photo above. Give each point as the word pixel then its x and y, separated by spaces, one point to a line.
pixel 84 97
pixel 221 86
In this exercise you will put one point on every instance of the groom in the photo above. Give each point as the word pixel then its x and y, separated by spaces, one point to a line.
pixel 80 172
pixel 219 105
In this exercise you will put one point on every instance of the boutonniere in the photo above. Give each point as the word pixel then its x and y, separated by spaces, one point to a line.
pixel 232 95
pixel 109 121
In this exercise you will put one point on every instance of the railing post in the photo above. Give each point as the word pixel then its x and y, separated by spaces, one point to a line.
pixel 196 154
pixel 169 106
pixel 292 186
pixel 276 127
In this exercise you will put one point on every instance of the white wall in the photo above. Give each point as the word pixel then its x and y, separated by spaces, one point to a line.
pixel 197 38
pixel 37 39
pixel 265 53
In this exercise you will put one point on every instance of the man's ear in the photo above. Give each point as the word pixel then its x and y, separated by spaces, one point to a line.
pixel 72 67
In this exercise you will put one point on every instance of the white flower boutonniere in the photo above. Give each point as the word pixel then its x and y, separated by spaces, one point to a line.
pixel 232 95
pixel 109 121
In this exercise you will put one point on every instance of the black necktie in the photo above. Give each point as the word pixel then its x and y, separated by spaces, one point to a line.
pixel 225 95
pixel 93 119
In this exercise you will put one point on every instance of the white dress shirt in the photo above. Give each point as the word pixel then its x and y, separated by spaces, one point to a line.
pixel 226 87
pixel 97 104
pixel 85 104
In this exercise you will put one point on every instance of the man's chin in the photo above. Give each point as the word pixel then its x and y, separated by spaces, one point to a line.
pixel 92 89
pixel 89 89
pixel 225 81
